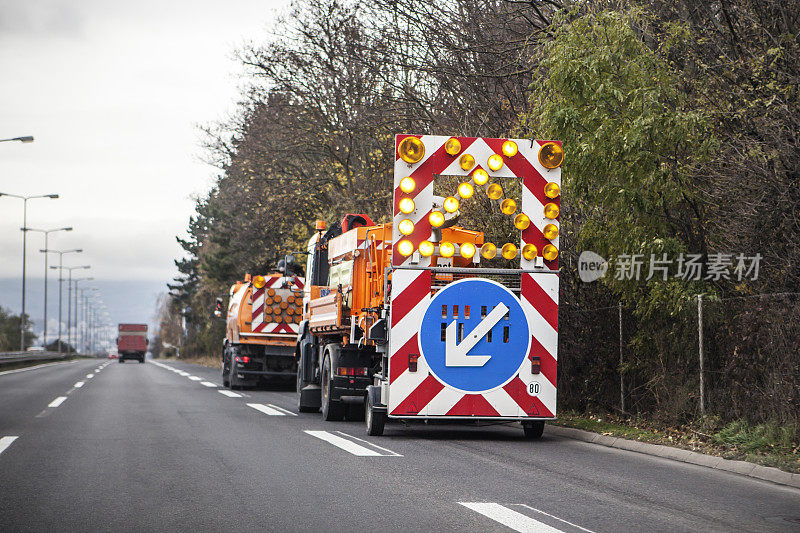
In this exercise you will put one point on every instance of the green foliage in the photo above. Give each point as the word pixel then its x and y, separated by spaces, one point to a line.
pixel 9 331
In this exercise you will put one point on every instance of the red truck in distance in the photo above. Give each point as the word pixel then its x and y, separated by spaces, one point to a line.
pixel 132 342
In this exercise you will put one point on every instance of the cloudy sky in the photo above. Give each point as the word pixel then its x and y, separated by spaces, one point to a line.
pixel 113 92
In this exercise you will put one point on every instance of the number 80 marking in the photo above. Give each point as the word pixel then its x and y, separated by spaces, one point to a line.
pixel 533 388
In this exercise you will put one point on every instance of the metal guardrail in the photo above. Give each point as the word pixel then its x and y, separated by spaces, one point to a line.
pixel 7 358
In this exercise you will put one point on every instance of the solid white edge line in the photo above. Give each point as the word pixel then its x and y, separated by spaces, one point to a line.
pixel 555 517
pixel 346 445
pixel 208 384
pixel 5 442
pixel 264 409
pixel 282 409
pixel 229 393
pixel 58 401
pixel 78 385
pixel 509 518
pixel 387 450
pixel 35 367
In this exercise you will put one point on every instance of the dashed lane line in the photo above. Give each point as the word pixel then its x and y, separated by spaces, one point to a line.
pixel 58 401
pixel 195 378
pixel 555 517
pixel 78 385
pixel 282 409
pixel 510 518
pixel 5 442
pixel 265 409
pixel 350 446
pixel 89 376
pixel 387 450
pixel 208 384
pixel 229 394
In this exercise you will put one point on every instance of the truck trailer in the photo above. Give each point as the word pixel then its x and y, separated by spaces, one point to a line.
pixel 132 342
pixel 421 319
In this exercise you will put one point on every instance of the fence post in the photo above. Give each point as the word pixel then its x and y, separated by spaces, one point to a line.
pixel 621 378
pixel 700 348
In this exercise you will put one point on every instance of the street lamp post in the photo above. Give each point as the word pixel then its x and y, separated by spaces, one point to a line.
pixel 69 298
pixel 60 268
pixel 24 248
pixel 47 233
pixel 75 322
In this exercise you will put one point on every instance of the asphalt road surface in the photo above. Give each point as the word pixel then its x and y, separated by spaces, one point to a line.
pixel 163 447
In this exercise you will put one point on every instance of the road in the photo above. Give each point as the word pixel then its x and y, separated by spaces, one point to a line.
pixel 162 446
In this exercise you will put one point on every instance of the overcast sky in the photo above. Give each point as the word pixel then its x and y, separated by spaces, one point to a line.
pixel 113 92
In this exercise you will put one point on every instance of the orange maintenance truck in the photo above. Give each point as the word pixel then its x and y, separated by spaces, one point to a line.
pixel 261 330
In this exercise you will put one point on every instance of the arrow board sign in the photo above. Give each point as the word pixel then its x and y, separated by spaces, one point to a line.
pixel 474 335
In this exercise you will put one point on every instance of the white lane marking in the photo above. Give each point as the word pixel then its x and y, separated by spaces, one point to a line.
pixel 387 450
pixel 346 445
pixel 5 442
pixel 78 385
pixel 37 366
pixel 230 394
pixel 281 409
pixel 208 384
pixel 555 517
pixel 264 409
pixel 89 376
pixel 184 374
pixel 58 401
pixel 509 518
pixel 195 378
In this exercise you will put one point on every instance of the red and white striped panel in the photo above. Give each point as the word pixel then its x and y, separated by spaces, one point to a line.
pixel 258 317
pixel 420 393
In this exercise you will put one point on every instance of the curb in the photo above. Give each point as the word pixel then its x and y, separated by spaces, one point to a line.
pixel 744 468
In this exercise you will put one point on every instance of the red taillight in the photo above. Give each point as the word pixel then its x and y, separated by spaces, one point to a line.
pixel 350 371
pixel 412 362
pixel 243 359
pixel 536 364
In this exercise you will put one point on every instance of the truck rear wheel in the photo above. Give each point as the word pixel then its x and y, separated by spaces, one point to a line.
pixel 331 410
pixel 374 417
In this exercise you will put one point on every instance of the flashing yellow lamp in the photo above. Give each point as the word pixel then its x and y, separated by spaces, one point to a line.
pixel 452 146
pixel 549 252
pixel 495 162
pixel 408 185
pixel 426 248
pixel 411 150
pixel 451 204
pixel 488 250
pixel 510 149
pixel 551 211
pixel 551 155
pixel 552 190
pixel 550 231
pixel 494 191
pixel 446 249
pixel 405 247
pixel 467 250
pixel 436 218
pixel 406 205
pixel 480 176
pixel 509 251
pixel 521 221
pixel 406 227
pixel 529 252
pixel 259 282
pixel 508 206
pixel 466 190
pixel 466 162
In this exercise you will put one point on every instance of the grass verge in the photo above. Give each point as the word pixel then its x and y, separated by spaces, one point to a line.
pixel 764 444
pixel 211 362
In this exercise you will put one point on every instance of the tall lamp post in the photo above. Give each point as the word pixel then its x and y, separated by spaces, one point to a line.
pixel 69 297
pixel 22 325
pixel 60 267
pixel 47 233
pixel 75 322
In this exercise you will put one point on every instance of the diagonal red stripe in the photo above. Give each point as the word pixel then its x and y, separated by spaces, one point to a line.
pixel 257 312
pixel 411 296
pixel 473 405
pixel 398 363
pixel 258 293
pixel 419 397
pixel 531 405
pixel 548 363
pixel 540 300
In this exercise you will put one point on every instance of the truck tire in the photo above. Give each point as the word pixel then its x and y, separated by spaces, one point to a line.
pixel 226 380
pixel 141 360
pixel 533 430
pixel 331 410
pixel 121 360
pixel 374 417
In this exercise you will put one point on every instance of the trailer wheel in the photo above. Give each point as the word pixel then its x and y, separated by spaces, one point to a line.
pixel 121 360
pixel 375 418
pixel 331 410
pixel 533 430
